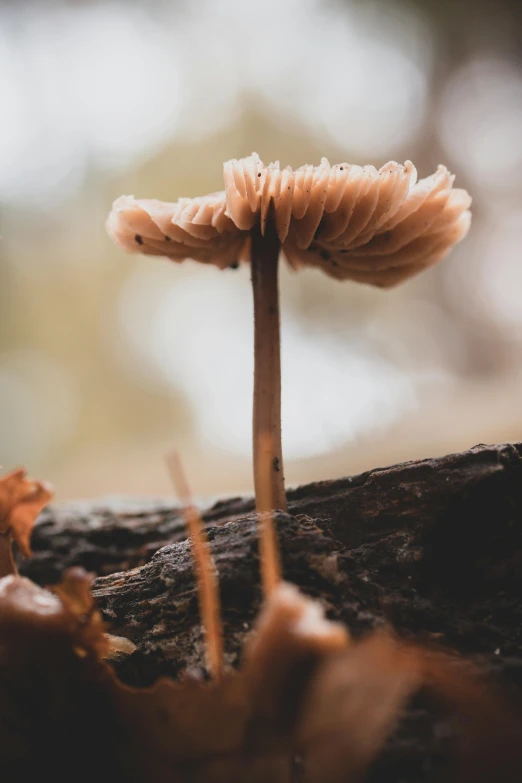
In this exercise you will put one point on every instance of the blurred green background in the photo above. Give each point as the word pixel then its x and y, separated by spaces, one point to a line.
pixel 108 360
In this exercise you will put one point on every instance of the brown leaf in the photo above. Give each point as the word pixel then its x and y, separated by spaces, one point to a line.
pixel 74 592
pixel 292 639
pixel 307 704
pixel 242 726
pixel 490 727
pixel 307 697
pixel 68 612
pixel 54 696
pixel 27 610
pixel 21 500
pixel 353 704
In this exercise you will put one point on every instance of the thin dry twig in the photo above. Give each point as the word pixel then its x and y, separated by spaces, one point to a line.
pixel 208 588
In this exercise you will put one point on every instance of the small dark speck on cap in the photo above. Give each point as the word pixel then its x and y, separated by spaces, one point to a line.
pixel 167 239
pixel 138 239
pixel 325 255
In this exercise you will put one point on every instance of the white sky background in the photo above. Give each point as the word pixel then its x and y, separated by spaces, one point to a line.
pixel 196 332
pixel 107 84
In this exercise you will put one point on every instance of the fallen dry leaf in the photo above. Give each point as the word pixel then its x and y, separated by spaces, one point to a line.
pixel 21 500
pixel 354 703
pixel 489 724
pixel 67 613
pixel 74 592
pixel 308 703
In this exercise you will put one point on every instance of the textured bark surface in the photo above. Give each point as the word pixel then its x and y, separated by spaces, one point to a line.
pixel 432 547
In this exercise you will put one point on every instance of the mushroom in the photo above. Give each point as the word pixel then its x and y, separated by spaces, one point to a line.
pixel 375 226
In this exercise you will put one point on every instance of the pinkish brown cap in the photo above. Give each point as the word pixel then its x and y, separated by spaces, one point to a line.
pixel 376 226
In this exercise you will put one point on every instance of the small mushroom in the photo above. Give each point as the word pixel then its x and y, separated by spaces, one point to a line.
pixel 375 226
pixel 21 500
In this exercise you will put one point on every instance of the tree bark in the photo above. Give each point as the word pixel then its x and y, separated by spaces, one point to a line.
pixel 432 547
pixel 108 536
pixel 420 544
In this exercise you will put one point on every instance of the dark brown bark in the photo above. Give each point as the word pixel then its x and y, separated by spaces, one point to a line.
pixel 432 547
pixel 480 484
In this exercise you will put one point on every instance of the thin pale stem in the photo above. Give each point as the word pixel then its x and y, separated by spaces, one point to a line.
pixel 7 562
pixel 268 456
pixel 268 545
pixel 208 588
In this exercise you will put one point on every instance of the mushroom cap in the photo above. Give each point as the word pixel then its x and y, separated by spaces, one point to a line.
pixel 376 226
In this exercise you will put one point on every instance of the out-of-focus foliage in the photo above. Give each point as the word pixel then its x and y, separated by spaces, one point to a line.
pixel 106 360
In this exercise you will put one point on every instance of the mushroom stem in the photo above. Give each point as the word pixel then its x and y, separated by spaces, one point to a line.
pixel 268 457
pixel 269 554
pixel 7 563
